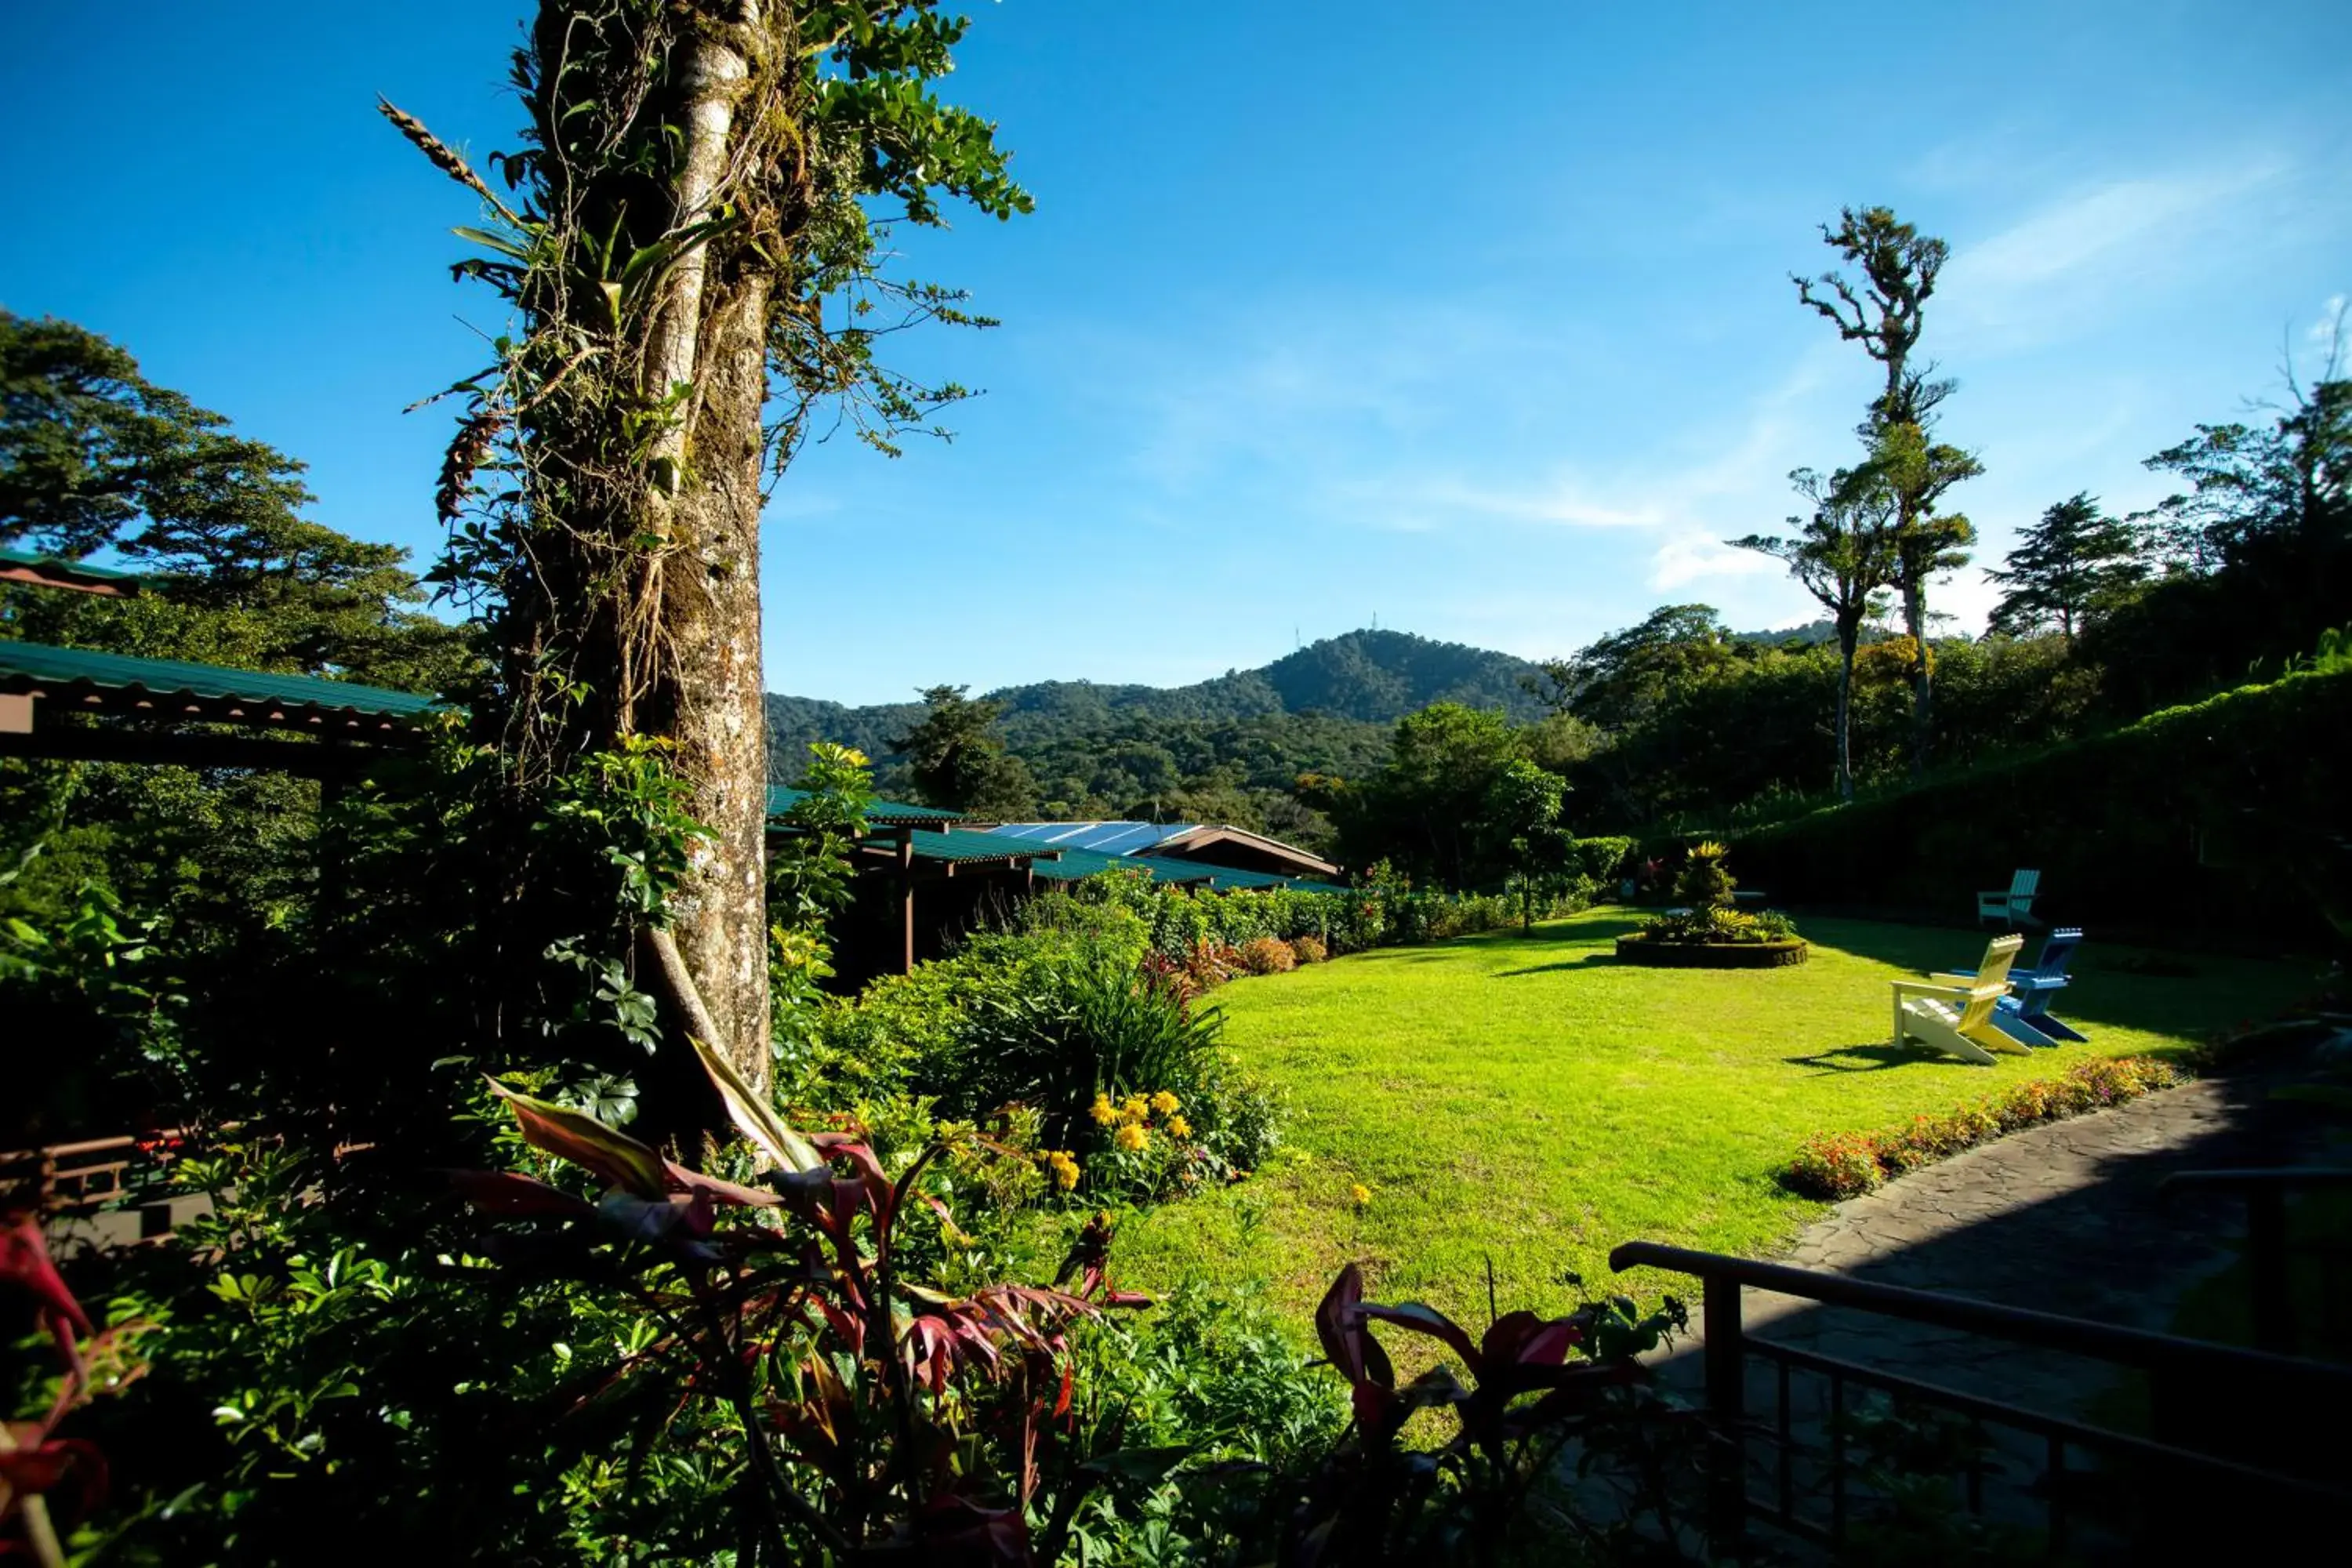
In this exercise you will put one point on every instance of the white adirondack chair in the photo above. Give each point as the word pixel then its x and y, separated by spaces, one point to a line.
pixel 1958 1019
pixel 2013 908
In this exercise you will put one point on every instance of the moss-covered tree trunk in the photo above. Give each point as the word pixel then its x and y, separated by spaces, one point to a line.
pixel 693 190
pixel 670 179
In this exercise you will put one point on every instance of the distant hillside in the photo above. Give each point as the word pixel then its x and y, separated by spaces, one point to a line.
pixel 1371 678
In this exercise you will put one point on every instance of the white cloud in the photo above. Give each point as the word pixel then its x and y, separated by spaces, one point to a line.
pixel 2091 250
pixel 1688 557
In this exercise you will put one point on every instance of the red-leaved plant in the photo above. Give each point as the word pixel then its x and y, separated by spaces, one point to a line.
pixel 46 1480
pixel 866 1402
pixel 1536 1386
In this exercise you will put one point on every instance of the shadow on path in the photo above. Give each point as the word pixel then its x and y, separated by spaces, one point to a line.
pixel 2064 1218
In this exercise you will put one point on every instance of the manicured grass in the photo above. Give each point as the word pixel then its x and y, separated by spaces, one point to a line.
pixel 1531 1102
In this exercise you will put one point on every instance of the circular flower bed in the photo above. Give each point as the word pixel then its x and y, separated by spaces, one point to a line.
pixel 1638 948
pixel 1710 933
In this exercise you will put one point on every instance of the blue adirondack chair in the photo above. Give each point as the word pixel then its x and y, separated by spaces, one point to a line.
pixel 2025 1014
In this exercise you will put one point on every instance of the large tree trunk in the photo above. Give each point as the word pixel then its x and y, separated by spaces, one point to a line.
pixel 644 550
pixel 712 334
pixel 709 614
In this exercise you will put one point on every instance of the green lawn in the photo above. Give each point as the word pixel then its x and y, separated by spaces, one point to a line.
pixel 1531 1102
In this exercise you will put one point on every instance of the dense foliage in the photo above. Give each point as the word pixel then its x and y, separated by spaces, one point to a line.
pixel 2223 817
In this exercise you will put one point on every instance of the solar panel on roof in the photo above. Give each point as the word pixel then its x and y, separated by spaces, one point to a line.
pixel 1104 838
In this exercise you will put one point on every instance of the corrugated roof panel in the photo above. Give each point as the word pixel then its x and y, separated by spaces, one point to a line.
pixel 32 664
pixel 954 846
pixel 1104 838
pixel 782 798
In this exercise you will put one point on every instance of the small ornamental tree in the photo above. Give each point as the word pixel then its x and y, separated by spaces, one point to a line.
pixel 1706 882
pixel 1523 807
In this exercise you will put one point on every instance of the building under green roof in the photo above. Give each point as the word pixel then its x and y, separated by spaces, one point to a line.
pixel 58 572
pixel 40 684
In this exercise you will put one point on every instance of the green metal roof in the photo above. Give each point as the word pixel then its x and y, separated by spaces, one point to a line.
pixel 953 845
pixel 782 798
pixel 29 666
pixel 1076 864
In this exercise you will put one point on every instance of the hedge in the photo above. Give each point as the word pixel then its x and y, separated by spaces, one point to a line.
pixel 2228 816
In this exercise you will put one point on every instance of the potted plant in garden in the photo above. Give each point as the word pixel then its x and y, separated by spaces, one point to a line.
pixel 1704 931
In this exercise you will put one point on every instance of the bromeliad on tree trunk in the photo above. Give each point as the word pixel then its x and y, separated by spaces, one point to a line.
pixel 685 241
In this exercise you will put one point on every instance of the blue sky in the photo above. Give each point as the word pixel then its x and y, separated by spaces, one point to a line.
pixel 1326 314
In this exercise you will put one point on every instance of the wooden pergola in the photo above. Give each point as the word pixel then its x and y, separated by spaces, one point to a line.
pixel 298 724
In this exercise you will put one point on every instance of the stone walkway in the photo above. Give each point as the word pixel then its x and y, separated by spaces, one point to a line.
pixel 2062 1219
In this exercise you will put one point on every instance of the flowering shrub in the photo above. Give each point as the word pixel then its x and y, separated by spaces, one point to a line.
pixel 1151 1151
pixel 1307 950
pixel 1834 1166
pixel 1268 955
pixel 1209 965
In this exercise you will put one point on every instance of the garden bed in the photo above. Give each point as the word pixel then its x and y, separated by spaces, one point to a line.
pixel 1636 948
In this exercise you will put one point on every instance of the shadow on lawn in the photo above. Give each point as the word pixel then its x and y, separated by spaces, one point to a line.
pixel 1589 961
pixel 2113 985
pixel 1876 1057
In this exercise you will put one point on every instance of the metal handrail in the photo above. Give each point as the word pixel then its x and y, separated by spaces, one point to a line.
pixel 2140 1348
pixel 1725 1346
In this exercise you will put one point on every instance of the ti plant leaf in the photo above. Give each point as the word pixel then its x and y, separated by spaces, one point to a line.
pixel 752 1117
pixel 579 1138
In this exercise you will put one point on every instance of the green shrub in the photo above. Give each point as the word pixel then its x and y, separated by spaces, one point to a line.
pixel 1602 861
pixel 1713 925
pixel 1836 1165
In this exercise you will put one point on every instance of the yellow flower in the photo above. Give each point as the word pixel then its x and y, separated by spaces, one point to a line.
pixel 1135 1108
pixel 1361 1193
pixel 1165 1102
pixel 1179 1127
pixel 1132 1138
pixel 1064 1169
pixel 1101 1110
pixel 854 757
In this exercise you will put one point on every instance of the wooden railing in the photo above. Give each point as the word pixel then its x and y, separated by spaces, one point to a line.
pixel 78 1179
pixel 2267 1383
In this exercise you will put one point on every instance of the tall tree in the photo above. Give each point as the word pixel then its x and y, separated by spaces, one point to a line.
pixel 1842 553
pixel 2076 562
pixel 696 237
pixel 959 761
pixel 94 457
pixel 1885 312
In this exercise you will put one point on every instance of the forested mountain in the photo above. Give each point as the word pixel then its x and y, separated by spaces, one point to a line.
pixel 1364 678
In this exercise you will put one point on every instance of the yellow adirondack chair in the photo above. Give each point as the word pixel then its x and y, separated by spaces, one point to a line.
pixel 1958 1019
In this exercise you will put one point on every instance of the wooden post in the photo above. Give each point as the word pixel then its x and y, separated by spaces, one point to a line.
pixel 1727 1405
pixel 905 901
